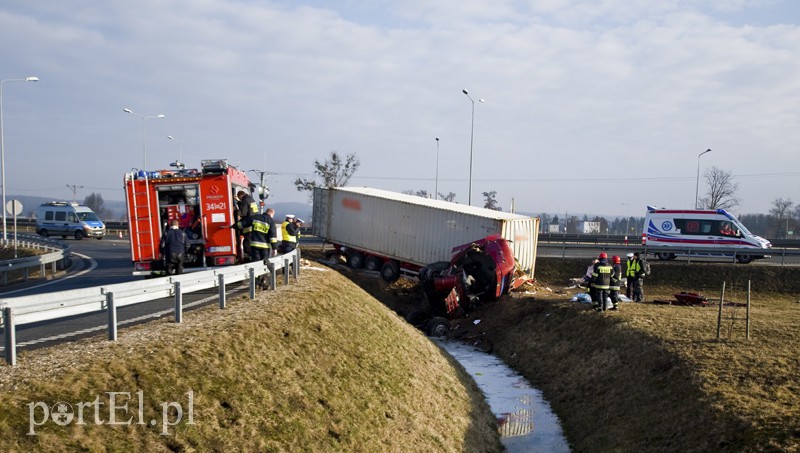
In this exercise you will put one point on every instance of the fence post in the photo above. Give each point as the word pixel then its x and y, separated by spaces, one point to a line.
pixel 221 280
pixel 273 279
pixel 178 303
pixel 252 273
pixel 747 315
pixel 719 313
pixel 10 336
pixel 112 316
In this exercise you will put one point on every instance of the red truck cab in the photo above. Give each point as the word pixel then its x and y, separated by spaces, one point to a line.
pixel 482 270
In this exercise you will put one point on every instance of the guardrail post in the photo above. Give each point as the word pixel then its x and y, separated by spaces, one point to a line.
pixel 221 283
pixel 10 336
pixel 286 271
pixel 112 316
pixel 43 271
pixel 252 273
pixel 178 303
pixel 273 278
pixel 296 265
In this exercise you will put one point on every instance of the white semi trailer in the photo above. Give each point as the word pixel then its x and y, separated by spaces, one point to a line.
pixel 398 234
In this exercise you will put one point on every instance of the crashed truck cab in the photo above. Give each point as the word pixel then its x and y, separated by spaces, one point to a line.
pixel 480 271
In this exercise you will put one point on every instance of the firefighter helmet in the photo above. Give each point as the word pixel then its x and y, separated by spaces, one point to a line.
pixel 615 259
pixel 603 255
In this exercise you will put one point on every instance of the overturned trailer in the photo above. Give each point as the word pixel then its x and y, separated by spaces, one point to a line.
pixel 398 234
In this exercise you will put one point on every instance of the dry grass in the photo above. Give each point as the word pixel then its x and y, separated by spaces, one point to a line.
pixel 316 366
pixel 654 377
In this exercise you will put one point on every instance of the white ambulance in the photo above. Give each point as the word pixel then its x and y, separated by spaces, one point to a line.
pixel 698 232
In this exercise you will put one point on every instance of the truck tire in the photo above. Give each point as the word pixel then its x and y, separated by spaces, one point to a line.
pixel 355 260
pixel 372 263
pixel 417 318
pixel 665 256
pixel 437 327
pixel 390 271
pixel 43 232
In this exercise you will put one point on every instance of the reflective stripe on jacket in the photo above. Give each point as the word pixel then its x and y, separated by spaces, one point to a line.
pixel 632 268
pixel 601 276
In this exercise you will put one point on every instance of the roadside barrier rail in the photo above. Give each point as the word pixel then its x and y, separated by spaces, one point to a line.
pixel 730 253
pixel 51 306
pixel 58 253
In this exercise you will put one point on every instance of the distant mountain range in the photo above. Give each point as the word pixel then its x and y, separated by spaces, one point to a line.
pixel 116 209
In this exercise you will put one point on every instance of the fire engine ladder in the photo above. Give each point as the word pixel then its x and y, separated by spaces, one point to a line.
pixel 141 220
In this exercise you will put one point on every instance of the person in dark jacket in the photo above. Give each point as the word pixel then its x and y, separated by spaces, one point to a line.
pixel 174 245
pixel 246 207
pixel 616 279
pixel 601 281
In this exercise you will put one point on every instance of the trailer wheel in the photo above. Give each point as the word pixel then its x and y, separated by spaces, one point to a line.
pixel 372 263
pixel 417 318
pixel 437 327
pixel 744 259
pixel 390 271
pixel 355 260
pixel 665 256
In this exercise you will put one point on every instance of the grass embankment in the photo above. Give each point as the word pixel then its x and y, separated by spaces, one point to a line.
pixel 654 377
pixel 318 365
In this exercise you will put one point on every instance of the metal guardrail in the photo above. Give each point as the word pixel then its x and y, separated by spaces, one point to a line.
pixel 45 307
pixel 632 240
pixel 59 254
pixel 694 252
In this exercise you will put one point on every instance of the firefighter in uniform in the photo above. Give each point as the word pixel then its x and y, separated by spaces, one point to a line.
pixel 601 281
pixel 246 206
pixel 616 278
pixel 260 233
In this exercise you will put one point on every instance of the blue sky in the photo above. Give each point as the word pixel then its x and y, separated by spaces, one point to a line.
pixel 591 106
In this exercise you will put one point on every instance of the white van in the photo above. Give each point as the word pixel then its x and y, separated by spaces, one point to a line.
pixel 689 229
pixel 62 218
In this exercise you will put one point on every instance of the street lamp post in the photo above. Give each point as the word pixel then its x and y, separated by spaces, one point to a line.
pixel 436 187
pixel 180 148
pixel 471 141
pixel 3 149
pixel 697 184
pixel 144 132
pixel 74 190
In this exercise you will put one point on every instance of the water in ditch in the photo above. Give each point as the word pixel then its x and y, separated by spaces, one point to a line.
pixel 525 420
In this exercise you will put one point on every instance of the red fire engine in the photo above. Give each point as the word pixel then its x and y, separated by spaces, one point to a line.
pixel 203 201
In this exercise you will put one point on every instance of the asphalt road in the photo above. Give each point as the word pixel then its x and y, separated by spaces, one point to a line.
pixel 98 263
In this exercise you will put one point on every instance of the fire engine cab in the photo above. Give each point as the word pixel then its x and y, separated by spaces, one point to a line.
pixel 203 201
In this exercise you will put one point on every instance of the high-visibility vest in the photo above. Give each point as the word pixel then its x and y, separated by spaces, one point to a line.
pixel 632 268
pixel 285 234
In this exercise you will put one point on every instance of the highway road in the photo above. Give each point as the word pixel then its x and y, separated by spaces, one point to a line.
pixel 97 263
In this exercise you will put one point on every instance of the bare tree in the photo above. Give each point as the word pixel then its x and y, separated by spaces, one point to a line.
pixel 95 203
pixel 490 200
pixel 334 172
pixel 781 211
pixel 451 196
pixel 721 190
